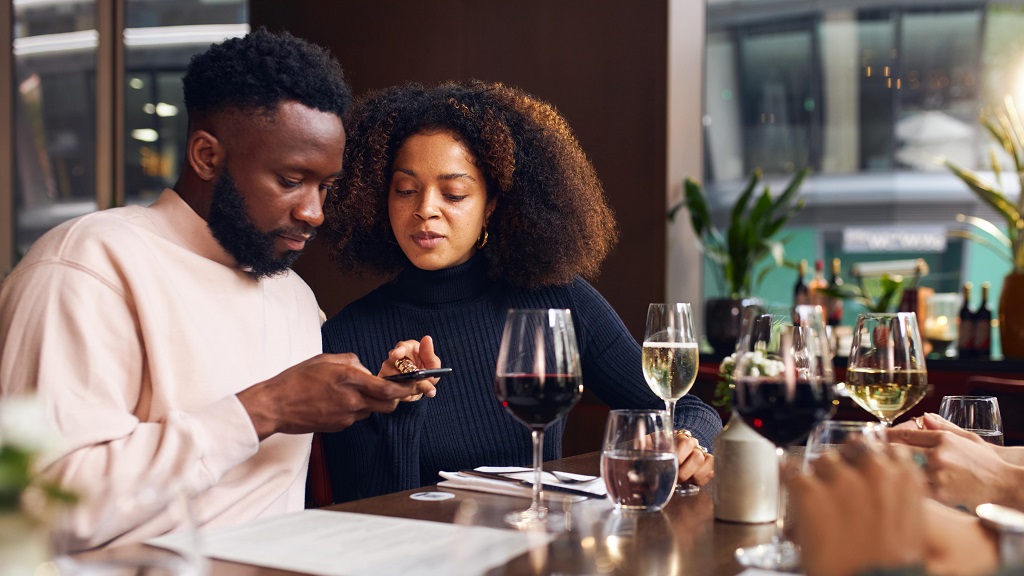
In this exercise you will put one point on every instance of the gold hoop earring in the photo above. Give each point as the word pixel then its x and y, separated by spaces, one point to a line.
pixel 482 241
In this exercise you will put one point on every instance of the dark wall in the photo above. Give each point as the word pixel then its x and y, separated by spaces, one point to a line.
pixel 601 62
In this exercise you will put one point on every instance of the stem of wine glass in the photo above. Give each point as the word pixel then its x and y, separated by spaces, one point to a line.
pixel 670 407
pixel 780 512
pixel 538 463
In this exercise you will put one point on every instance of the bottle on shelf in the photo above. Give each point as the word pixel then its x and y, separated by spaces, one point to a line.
pixel 816 287
pixel 983 326
pixel 835 305
pixel 965 329
pixel 800 290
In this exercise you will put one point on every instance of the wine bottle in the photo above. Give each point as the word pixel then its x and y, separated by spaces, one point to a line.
pixel 983 326
pixel 835 304
pixel 818 284
pixel 800 291
pixel 965 338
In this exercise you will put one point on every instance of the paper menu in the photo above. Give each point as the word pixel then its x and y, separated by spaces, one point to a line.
pixel 326 543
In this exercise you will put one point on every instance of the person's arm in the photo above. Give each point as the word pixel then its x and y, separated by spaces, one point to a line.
pixel 612 370
pixel 75 340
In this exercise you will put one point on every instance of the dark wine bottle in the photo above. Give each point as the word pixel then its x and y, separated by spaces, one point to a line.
pixel 835 304
pixel 801 293
pixel 816 287
pixel 983 326
pixel 965 338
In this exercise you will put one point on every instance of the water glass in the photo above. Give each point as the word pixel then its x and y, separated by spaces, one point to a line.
pixel 978 414
pixel 638 459
pixel 837 435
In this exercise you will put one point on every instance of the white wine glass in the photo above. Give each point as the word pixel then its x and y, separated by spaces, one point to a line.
pixel 670 359
pixel 538 381
pixel 783 389
pixel 886 373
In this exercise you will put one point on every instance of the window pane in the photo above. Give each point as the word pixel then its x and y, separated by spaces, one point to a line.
pixel 160 38
pixel 54 115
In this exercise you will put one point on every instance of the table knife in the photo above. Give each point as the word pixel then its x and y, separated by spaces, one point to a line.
pixel 527 483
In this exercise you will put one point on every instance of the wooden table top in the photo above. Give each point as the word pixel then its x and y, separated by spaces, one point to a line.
pixel 683 539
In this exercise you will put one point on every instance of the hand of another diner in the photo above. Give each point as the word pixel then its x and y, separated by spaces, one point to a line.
pixel 956 543
pixel 695 465
pixel 327 393
pixel 422 355
pixel 1011 454
pixel 861 514
pixel 962 469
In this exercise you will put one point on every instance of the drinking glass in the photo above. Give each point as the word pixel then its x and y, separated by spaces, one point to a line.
pixel 670 358
pixel 638 459
pixel 978 414
pixel 538 381
pixel 783 388
pixel 835 435
pixel 886 373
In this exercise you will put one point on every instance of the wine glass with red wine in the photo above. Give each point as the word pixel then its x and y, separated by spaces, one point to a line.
pixel 783 389
pixel 538 381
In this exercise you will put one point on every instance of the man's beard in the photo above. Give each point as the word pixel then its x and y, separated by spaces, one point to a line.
pixel 252 248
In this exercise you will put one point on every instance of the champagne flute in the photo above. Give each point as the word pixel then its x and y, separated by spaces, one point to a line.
pixel 886 374
pixel 538 381
pixel 670 359
pixel 783 379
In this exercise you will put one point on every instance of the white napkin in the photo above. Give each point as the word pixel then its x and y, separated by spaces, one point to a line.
pixel 459 481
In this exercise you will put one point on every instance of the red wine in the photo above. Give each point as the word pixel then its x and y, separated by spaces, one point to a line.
pixel 763 404
pixel 537 401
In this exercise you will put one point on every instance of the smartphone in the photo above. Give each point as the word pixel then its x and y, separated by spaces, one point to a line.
pixel 418 374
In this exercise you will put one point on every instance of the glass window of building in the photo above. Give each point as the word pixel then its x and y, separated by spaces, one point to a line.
pixel 57 81
pixel 54 95
pixel 873 96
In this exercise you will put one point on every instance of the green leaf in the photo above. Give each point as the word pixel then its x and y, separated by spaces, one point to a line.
pixel 700 217
pixel 791 189
pixel 1000 250
pixel 990 196
pixel 741 203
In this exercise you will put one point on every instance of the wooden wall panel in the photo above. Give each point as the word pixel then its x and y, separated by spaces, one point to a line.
pixel 601 62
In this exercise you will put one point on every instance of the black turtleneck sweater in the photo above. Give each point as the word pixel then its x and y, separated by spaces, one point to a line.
pixel 464 425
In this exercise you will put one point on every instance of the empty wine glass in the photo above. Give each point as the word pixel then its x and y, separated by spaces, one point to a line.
pixel 670 358
pixel 538 381
pixel 886 373
pixel 978 414
pixel 783 388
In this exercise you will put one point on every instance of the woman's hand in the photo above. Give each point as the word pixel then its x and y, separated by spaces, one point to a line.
pixel 421 354
pixel 696 466
pixel 962 469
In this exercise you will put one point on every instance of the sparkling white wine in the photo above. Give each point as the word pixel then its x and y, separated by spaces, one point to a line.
pixel 886 394
pixel 670 368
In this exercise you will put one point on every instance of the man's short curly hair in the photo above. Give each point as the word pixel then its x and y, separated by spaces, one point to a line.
pixel 259 71
pixel 551 221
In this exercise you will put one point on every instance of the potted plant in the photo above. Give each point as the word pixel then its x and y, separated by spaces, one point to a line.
pixel 754 221
pixel 1003 125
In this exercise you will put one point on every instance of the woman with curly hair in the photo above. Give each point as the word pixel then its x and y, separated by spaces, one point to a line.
pixel 473 198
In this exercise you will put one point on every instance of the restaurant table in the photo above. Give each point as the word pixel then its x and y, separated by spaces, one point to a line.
pixel 682 539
